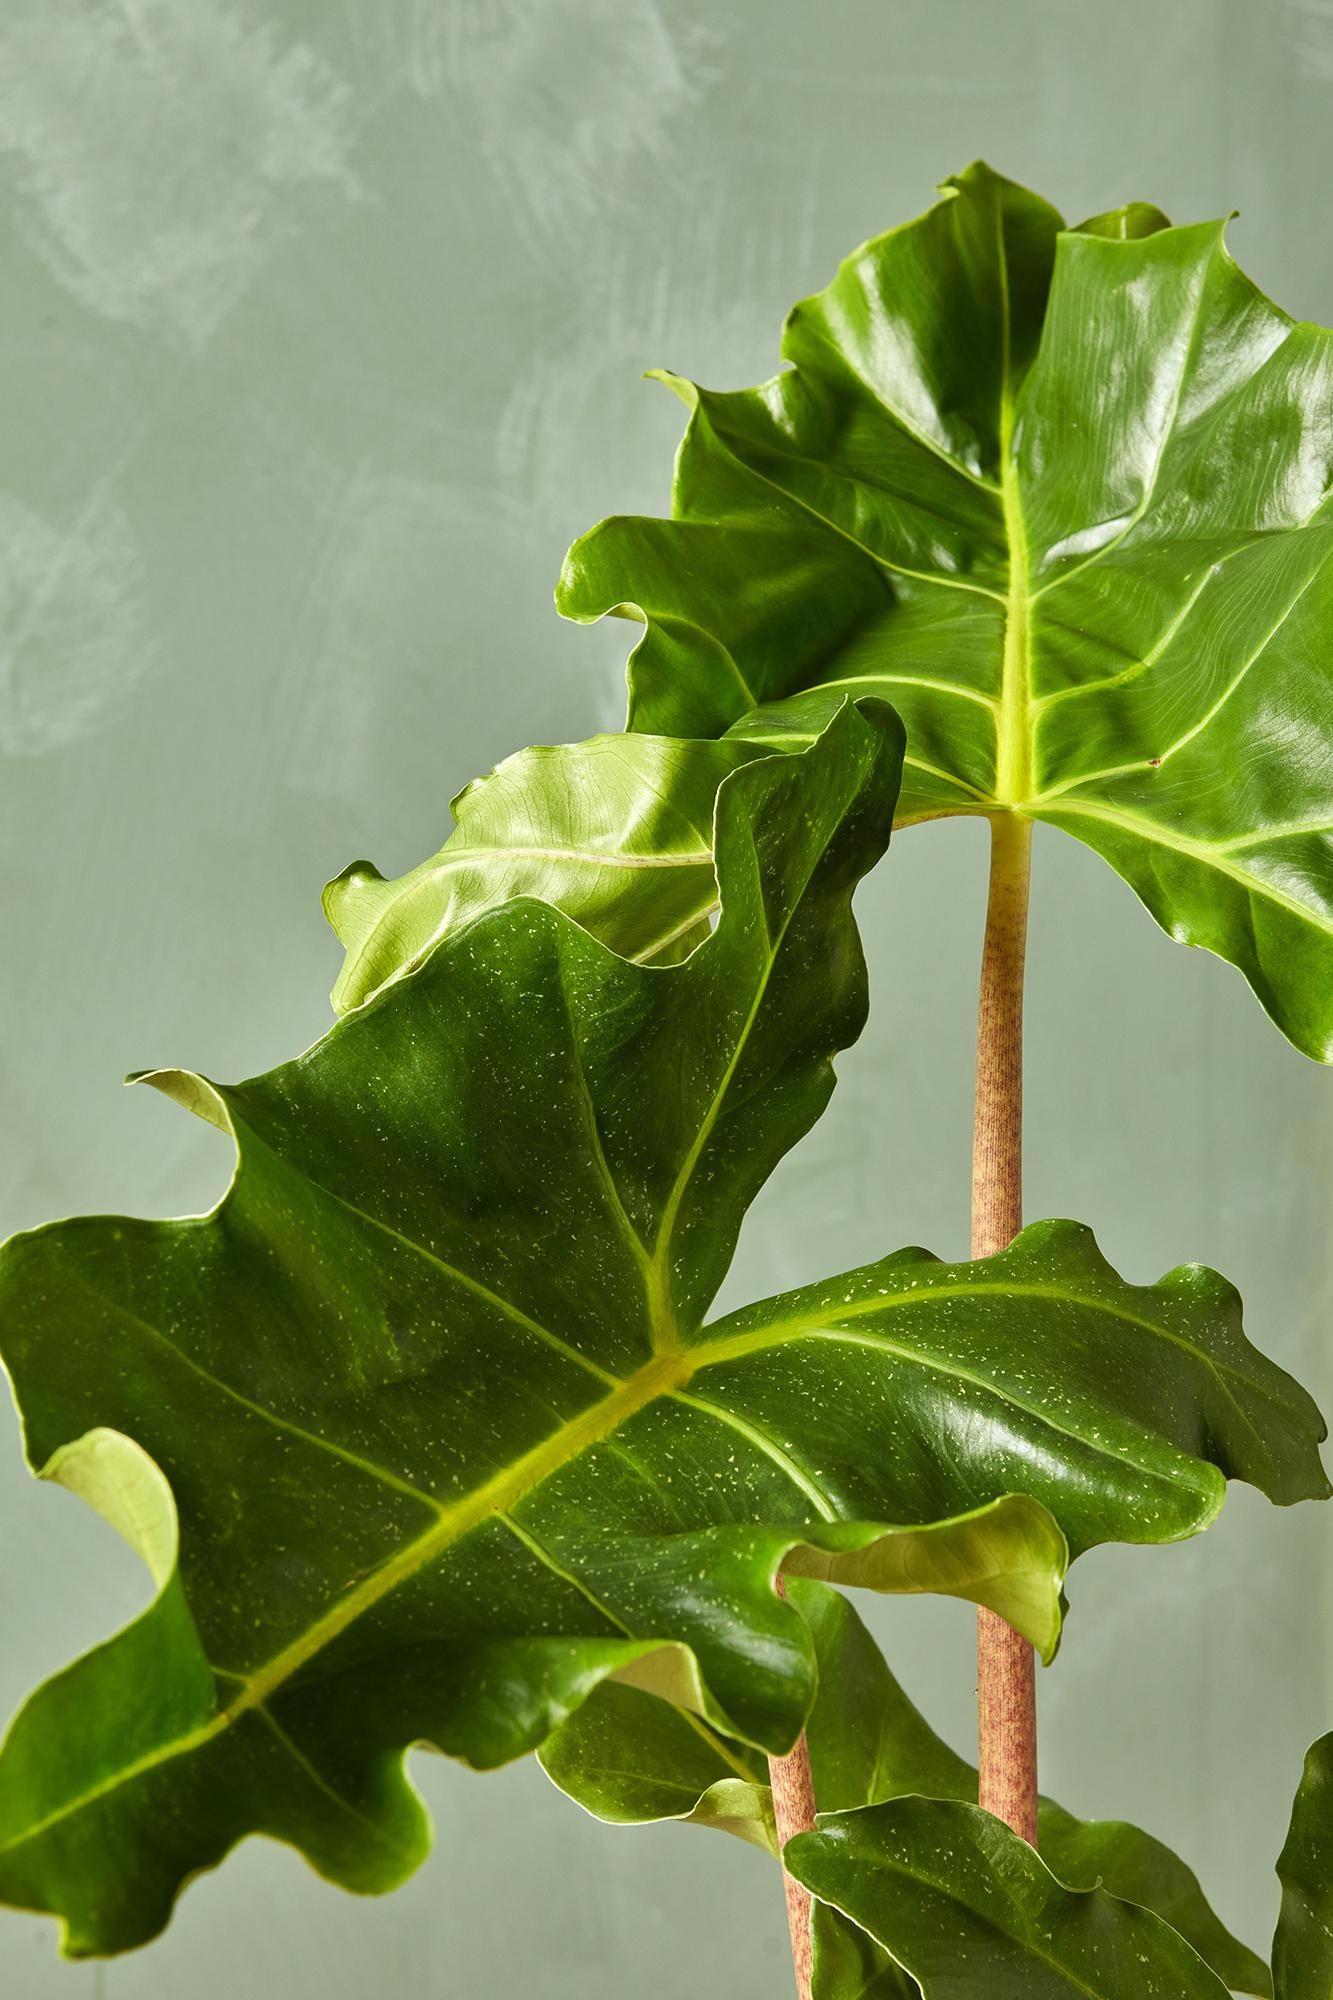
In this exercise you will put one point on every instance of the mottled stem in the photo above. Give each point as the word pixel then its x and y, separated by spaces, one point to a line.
pixel 794 1812
pixel 1006 1679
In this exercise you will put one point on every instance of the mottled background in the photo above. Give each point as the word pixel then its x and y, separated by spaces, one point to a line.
pixel 322 331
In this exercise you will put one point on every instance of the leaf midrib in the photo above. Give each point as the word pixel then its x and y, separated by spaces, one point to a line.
pixel 1017 708
pixel 664 1375
pixel 1013 727
pixel 454 1520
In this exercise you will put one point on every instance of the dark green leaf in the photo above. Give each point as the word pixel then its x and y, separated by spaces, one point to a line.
pixel 1303 1946
pixel 448 1441
pixel 1123 1408
pixel 968 1908
pixel 628 1757
pixel 419 1389
pixel 1064 498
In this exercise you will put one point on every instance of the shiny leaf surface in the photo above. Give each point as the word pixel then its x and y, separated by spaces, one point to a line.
pixel 968 1908
pixel 1303 1946
pixel 628 1757
pixel 1123 1408
pixel 432 1398
pixel 617 832
pixel 1063 497
pixel 424 1390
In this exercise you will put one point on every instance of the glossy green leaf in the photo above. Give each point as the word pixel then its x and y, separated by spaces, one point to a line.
pixel 1303 1946
pixel 448 1441
pixel 429 1393
pixel 968 1908
pixel 1123 1408
pixel 1063 498
pixel 629 1757
pixel 617 832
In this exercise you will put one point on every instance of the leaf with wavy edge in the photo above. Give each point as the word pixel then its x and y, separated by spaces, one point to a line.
pixel 1063 497
pixel 448 1439
pixel 617 832
pixel 1303 1945
pixel 966 1907
pixel 429 1389
pixel 1124 1408
pixel 629 1757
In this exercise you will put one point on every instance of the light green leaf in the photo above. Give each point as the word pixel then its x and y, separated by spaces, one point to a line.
pixel 966 1908
pixel 617 832
pixel 421 1392
pixel 1303 1946
pixel 628 1757
pixel 1063 497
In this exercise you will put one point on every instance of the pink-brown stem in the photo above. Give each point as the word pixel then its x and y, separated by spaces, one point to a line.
pixel 794 1812
pixel 1006 1679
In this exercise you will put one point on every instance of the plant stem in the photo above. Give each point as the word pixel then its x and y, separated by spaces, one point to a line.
pixel 794 1812
pixel 1006 1677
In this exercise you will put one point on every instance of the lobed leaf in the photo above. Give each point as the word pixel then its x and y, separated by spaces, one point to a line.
pixel 449 1444
pixel 1123 1408
pixel 628 1757
pixel 1063 497
pixel 964 1906
pixel 421 1402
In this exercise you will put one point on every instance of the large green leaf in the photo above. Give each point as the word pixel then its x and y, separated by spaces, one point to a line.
pixel 448 1441
pixel 1123 1408
pixel 1303 1946
pixel 420 1389
pixel 1061 496
pixel 617 832
pixel 629 1757
pixel 968 1908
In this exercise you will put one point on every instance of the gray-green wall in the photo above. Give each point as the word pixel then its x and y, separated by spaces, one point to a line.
pixel 322 329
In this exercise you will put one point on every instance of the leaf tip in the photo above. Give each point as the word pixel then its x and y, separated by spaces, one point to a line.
pixel 678 384
pixel 190 1090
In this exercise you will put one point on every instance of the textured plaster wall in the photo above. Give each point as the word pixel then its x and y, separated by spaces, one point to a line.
pixel 322 329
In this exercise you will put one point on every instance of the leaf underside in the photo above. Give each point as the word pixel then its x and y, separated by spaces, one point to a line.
pixel 629 1757
pixel 1063 498
pixel 617 832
